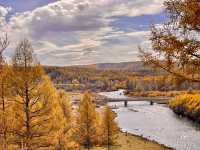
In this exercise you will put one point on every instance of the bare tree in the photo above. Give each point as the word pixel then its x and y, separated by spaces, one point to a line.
pixel 4 43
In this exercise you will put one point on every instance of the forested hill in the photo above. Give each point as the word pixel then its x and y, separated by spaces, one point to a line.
pixel 137 67
pixel 105 76
pixel 109 77
pixel 132 66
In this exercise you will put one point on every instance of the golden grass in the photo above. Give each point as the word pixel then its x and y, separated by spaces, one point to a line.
pixel 131 142
pixel 190 101
pixel 187 105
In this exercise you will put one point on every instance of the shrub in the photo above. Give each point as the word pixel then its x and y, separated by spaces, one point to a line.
pixel 187 105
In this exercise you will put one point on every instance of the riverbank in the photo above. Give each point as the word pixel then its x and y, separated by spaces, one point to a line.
pixel 155 122
pixel 133 142
pixel 159 97
pixel 159 93
pixel 187 105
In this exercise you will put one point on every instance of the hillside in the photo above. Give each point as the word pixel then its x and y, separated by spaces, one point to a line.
pixel 137 67
pixel 123 66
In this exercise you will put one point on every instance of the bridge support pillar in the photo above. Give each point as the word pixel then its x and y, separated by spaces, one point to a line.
pixel 125 103
pixel 151 102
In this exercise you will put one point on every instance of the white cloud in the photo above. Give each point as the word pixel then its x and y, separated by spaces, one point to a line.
pixel 136 7
pixel 3 13
pixel 80 30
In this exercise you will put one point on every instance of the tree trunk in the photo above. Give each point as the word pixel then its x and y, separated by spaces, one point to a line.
pixel 27 114
pixel 4 117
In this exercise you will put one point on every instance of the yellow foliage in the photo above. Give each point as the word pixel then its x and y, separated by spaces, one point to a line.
pixel 65 122
pixel 191 101
pixel 87 122
pixel 162 93
pixel 33 118
pixel 187 105
pixel 109 126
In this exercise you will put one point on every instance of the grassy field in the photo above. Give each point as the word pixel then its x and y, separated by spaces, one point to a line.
pixel 131 142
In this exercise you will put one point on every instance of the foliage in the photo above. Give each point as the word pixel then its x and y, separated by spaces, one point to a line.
pixel 5 103
pixel 101 80
pixel 77 78
pixel 34 115
pixel 161 93
pixel 176 45
pixel 4 91
pixel 32 99
pixel 109 126
pixel 64 138
pixel 187 105
pixel 87 122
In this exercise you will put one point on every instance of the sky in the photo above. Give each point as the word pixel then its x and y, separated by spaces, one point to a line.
pixel 77 32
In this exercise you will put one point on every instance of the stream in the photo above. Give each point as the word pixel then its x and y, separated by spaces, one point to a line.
pixel 156 122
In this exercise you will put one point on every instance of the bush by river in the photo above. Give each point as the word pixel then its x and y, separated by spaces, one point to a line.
pixel 187 105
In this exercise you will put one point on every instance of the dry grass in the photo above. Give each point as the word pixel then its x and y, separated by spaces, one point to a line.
pixel 131 142
pixel 187 105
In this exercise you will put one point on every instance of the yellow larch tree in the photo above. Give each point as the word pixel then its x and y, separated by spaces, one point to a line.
pixel 175 45
pixel 109 126
pixel 33 95
pixel 87 122
pixel 4 42
pixel 5 106
pixel 64 138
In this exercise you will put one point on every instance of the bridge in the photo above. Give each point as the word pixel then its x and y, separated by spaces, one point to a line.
pixel 151 100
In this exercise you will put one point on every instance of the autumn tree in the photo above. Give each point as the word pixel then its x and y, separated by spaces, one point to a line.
pixel 176 44
pixel 64 136
pixel 4 42
pixel 5 102
pixel 33 94
pixel 109 127
pixel 130 85
pixel 87 122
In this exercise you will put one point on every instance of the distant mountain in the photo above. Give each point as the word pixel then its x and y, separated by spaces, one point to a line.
pixel 133 67
pixel 137 67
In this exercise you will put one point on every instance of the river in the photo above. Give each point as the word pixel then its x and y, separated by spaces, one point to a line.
pixel 156 122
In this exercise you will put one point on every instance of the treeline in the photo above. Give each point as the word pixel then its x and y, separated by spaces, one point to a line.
pixel 82 78
pixel 36 116
pixel 159 83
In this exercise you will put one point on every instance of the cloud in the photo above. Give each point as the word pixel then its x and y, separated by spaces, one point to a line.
pixel 3 13
pixel 80 31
